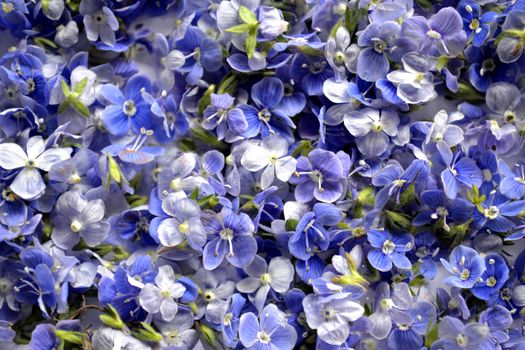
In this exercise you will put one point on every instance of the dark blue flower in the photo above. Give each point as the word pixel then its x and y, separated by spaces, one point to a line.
pixel 126 110
pixel 389 249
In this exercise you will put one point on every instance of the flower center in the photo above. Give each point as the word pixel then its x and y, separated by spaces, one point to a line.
pixel 264 337
pixel 184 227
pixel 487 174
pixel 509 116
pixel 377 127
pixel 228 319
pixel 328 313
pixel 379 46
pixel 399 182
pixel 388 247
pixel 491 281
pixel 165 294
pixel 403 327
pixel 226 234
pixel 176 184
pixel 359 231
pixel 433 34
pixel 129 108
pixel 75 226
pixel 461 340
pixel 339 57
pixel 74 179
pixel 7 7
pixel 264 115
pixel 209 295
pixel 464 275
pixel 265 278
pixel 474 24
pixel 492 212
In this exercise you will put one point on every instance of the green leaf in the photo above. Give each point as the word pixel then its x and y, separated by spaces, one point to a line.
pixel 70 336
pixel 205 200
pixel 398 220
pixel 303 148
pixel 79 89
pixel 407 195
pixel 353 15
pixel 206 99
pixel 63 106
pixel 290 224
pixel 195 194
pixel 135 181
pixel 42 42
pixel 79 107
pixel 424 4
pixel 240 28
pixel 208 335
pixel 147 333
pixel 136 200
pixel 65 88
pixel 366 196
pixel 112 318
pixel 114 169
pixel 247 15
pixel 466 92
pixel 251 41
pixel 432 334
pixel 228 85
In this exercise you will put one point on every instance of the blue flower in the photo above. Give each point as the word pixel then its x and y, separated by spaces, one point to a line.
pixel 202 53
pixel 270 115
pixel 378 40
pixel 126 110
pixel 476 24
pixel 411 325
pixel 510 47
pixel 453 334
pixel 460 171
pixel 495 211
pixel 493 279
pixel 221 115
pixel 442 34
pixel 230 237
pixel 513 183
pixel 426 250
pixel 486 68
pixel 310 232
pixel 389 249
pixel 231 320
pixel 441 208
pixel 395 181
pixel 270 330
pixel 76 218
pixel 466 267
pixel 319 176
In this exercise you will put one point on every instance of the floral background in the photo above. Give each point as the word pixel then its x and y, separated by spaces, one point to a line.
pixel 260 174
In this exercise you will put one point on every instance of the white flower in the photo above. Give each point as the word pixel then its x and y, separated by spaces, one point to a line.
pixel 271 155
pixel 67 35
pixel 415 83
pixel 261 277
pixel 28 184
pixel 332 316
pixel 160 297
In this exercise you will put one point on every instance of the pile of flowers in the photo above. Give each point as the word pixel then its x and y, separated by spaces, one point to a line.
pixel 229 174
